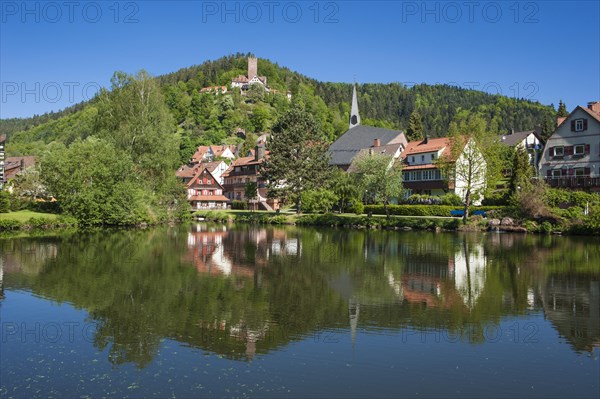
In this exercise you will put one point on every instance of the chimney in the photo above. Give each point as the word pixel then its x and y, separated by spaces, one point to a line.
pixel 594 106
pixel 252 67
pixel 560 120
pixel 259 152
pixel 512 131
pixel 426 140
pixel 377 143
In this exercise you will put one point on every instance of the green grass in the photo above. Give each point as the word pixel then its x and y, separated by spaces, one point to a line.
pixel 23 216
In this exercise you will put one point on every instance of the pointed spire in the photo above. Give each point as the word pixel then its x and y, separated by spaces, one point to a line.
pixel 354 115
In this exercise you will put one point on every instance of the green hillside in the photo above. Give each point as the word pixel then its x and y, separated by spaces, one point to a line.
pixel 215 119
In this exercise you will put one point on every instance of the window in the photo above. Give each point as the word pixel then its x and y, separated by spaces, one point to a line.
pixel 559 151
pixel 412 159
pixel 432 157
pixel 422 158
pixel 578 125
pixel 579 149
pixel 556 173
pixel 579 172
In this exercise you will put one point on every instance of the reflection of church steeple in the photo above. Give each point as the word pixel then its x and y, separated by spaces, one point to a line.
pixel 353 311
pixel 354 115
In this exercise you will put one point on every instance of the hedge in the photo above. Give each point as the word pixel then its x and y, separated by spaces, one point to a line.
pixel 38 223
pixel 423 210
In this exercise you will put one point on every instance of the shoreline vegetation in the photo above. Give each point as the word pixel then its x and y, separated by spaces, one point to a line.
pixel 403 217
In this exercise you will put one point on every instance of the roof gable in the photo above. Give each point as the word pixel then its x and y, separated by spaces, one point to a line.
pixel 348 145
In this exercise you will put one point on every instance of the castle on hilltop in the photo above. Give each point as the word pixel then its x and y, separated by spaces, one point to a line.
pixel 244 82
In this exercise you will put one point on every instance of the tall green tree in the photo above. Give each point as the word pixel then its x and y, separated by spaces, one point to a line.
pixel 415 127
pixel 562 110
pixel 522 171
pixel 298 158
pixel 380 177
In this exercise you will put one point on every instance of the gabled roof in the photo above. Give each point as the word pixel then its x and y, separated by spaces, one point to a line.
pixel 428 145
pixel 588 111
pixel 389 150
pixel 348 145
pixel 514 139
pixel 200 172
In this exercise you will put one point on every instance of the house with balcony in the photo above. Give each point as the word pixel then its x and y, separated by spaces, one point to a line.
pixel 571 158
pixel 205 192
pixel 422 174
pixel 247 170
pixel 187 172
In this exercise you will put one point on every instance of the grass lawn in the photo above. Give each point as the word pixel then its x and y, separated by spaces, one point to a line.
pixel 23 216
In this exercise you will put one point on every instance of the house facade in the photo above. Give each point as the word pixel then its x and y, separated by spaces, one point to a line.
pixel 571 158
pixel 422 174
pixel 247 170
pixel 205 192
pixel 208 153
pixel 186 172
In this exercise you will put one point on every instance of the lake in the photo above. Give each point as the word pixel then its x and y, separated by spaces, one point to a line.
pixel 249 311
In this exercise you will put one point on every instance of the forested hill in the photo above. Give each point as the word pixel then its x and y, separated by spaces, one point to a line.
pixel 215 119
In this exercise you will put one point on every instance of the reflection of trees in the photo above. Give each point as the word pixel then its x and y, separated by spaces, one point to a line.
pixel 247 290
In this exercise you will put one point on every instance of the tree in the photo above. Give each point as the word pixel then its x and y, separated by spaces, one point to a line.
pixel 522 172
pixel 562 110
pixel 346 187
pixel 94 182
pixel 380 177
pixel 250 192
pixel 318 200
pixel 248 144
pixel 415 127
pixel 28 184
pixel 298 157
pixel 474 160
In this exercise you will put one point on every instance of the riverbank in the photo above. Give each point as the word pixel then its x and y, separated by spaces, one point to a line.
pixel 29 220
pixel 496 222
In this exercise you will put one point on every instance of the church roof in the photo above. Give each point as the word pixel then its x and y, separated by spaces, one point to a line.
pixel 348 145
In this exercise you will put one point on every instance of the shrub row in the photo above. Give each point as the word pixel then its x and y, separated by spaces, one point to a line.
pixel 382 223
pixel 422 210
pixel 38 223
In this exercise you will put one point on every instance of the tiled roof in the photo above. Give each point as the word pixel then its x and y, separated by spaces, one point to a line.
pixel 515 138
pixel 348 145
pixel 593 114
pixel 418 147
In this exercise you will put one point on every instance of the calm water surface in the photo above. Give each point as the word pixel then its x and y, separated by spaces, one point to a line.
pixel 210 311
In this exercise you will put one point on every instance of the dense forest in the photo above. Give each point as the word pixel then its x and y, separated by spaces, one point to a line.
pixel 205 118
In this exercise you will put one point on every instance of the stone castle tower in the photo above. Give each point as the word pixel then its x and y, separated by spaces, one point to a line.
pixel 252 67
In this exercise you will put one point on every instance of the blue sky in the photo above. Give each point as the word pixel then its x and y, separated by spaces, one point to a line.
pixel 54 54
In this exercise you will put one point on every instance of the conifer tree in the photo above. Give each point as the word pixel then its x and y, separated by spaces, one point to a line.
pixel 415 127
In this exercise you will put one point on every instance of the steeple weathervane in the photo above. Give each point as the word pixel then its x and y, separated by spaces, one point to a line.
pixel 354 115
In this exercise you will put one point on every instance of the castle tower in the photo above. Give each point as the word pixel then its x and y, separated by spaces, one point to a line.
pixel 354 115
pixel 252 67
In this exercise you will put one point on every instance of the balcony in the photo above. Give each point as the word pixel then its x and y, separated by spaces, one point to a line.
pixel 573 181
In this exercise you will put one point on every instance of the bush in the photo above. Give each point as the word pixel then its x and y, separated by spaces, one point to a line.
pixel 240 205
pixel 320 200
pixel 357 207
pixel 497 199
pixel 423 210
pixel 9 224
pixel 451 199
pixel 4 201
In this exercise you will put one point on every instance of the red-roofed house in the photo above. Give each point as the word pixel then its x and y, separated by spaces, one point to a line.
pixel 205 192
pixel 208 153
pixel 571 158
pixel 187 172
pixel 422 175
pixel 245 170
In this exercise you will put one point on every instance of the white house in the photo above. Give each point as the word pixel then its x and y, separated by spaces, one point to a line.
pixel 571 158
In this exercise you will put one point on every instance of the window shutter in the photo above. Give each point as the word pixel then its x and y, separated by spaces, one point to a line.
pixel 573 125
pixel 585 124
pixel 587 171
pixel 563 172
pixel 587 149
pixel 551 151
pixel 568 150
pixel 571 172
pixel 549 173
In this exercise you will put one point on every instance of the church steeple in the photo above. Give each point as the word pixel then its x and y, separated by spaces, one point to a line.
pixel 354 115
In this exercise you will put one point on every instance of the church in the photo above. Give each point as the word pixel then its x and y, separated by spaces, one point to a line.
pixel 361 139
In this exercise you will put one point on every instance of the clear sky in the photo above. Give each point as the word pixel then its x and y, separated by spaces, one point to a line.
pixel 54 54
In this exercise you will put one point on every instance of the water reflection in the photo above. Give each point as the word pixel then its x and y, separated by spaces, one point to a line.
pixel 244 291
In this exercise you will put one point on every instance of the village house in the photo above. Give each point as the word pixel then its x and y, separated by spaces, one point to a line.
pixel 14 166
pixel 244 82
pixel 571 158
pixel 217 168
pixel 246 170
pixel 530 140
pixel 214 89
pixel 359 139
pixel 209 153
pixel 205 192
pixel 422 174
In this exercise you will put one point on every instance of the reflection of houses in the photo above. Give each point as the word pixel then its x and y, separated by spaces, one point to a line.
pixel 469 274
pixel 572 304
